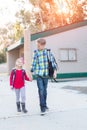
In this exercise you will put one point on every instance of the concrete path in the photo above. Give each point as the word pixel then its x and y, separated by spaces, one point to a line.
pixel 3 68
pixel 68 107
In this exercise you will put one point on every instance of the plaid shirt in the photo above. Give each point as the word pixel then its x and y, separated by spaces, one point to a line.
pixel 40 62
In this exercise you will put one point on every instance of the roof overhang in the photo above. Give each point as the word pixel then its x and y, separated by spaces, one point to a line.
pixel 48 33
pixel 16 45
pixel 58 30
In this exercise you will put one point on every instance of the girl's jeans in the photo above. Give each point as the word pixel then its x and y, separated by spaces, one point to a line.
pixel 42 90
pixel 20 93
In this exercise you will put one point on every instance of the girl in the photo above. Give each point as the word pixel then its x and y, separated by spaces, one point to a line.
pixel 17 82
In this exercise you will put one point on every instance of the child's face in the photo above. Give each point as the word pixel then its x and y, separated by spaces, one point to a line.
pixel 40 47
pixel 19 63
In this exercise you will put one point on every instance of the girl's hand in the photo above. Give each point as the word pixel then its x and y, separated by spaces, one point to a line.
pixel 12 87
pixel 31 79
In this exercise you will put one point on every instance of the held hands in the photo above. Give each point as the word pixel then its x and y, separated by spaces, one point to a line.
pixel 31 77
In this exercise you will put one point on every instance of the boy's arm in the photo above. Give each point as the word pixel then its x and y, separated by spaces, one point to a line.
pixel 34 60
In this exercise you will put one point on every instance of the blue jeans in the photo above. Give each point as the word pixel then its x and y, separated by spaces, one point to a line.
pixel 42 90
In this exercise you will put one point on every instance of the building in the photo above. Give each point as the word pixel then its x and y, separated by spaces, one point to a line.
pixel 68 44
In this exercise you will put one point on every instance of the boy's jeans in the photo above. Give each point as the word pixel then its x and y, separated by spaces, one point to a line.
pixel 42 90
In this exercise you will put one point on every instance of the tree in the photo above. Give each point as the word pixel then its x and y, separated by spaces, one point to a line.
pixel 41 15
pixel 75 13
pixel 84 6
pixel 50 14
pixel 18 31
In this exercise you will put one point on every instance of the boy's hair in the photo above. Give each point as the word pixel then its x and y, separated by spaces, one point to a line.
pixel 41 41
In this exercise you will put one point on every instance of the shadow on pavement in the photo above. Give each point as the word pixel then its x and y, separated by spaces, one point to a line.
pixel 77 88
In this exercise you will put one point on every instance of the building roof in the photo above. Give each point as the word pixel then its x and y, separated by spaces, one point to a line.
pixel 58 30
pixel 15 45
pixel 48 33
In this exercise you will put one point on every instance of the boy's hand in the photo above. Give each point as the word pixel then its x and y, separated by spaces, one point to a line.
pixel 55 74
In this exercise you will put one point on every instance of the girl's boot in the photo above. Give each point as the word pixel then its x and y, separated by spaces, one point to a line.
pixel 23 108
pixel 18 106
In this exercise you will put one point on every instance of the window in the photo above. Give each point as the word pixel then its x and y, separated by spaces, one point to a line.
pixel 68 54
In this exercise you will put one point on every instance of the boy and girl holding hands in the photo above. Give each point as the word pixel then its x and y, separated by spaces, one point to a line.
pixel 40 67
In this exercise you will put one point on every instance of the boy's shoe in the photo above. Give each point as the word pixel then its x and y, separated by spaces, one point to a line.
pixel 43 109
pixel 47 108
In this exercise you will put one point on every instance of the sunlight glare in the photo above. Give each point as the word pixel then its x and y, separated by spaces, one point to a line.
pixel 9 8
pixel 62 6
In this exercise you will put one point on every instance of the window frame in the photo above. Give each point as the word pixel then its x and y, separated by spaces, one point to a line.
pixel 68 54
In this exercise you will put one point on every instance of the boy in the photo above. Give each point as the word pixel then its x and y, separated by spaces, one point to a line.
pixel 40 67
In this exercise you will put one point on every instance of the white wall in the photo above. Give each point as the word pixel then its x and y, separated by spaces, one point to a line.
pixel 11 58
pixel 76 38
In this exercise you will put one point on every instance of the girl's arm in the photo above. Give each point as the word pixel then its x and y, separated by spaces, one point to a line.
pixel 27 78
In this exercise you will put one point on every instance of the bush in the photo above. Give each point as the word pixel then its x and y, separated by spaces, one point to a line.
pixel 2 56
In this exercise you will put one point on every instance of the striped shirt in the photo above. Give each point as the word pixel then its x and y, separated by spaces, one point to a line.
pixel 40 62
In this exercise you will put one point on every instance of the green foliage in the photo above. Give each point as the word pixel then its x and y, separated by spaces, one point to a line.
pixel 52 14
pixel 44 15
pixel 2 56
pixel 18 31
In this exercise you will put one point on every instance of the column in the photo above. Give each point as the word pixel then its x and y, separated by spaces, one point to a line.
pixel 27 51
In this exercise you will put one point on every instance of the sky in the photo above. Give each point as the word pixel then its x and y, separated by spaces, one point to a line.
pixel 7 11
pixel 8 8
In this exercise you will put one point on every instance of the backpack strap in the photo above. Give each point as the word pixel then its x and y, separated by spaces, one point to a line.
pixel 14 72
pixel 23 73
pixel 48 54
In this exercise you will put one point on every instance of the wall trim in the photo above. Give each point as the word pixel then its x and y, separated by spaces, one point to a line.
pixel 71 75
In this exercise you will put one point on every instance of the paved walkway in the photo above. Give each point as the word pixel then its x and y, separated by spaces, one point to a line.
pixel 3 68
pixel 68 107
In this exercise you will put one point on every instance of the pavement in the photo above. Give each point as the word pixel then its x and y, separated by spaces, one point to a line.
pixel 3 68
pixel 67 103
